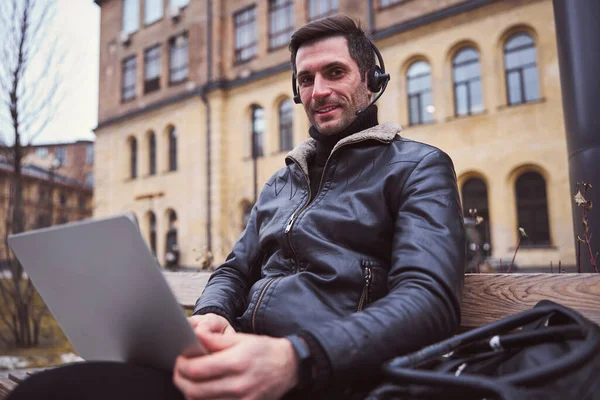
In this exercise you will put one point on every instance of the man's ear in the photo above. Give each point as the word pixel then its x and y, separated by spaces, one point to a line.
pixel 366 82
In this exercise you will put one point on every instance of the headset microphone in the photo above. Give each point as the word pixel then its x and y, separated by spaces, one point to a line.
pixel 377 80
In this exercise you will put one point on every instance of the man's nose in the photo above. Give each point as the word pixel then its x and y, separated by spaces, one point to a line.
pixel 321 88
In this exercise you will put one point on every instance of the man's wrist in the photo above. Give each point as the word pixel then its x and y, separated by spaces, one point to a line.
pixel 303 361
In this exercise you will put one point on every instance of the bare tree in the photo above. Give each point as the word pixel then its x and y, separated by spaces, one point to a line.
pixel 30 78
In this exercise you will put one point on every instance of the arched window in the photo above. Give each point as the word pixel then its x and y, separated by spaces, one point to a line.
pixel 152 154
pixel 173 149
pixel 133 158
pixel 532 208
pixel 286 125
pixel 171 245
pixel 418 87
pixel 522 84
pixel 475 197
pixel 466 74
pixel 258 129
pixel 152 231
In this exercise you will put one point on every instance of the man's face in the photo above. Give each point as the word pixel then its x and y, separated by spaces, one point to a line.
pixel 330 84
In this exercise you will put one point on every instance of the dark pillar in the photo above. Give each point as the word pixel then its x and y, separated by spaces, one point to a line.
pixel 578 36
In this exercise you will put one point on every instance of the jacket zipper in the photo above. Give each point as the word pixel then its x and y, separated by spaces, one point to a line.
pixel 294 217
pixel 260 298
pixel 365 296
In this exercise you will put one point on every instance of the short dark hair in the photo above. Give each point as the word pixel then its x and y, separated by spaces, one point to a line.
pixel 359 45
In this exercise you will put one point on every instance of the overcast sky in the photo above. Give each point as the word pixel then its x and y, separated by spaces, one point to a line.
pixel 77 23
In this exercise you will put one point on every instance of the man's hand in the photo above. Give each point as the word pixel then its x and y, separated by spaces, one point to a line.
pixel 211 322
pixel 241 366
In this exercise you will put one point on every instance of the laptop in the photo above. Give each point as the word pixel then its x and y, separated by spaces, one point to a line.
pixel 107 292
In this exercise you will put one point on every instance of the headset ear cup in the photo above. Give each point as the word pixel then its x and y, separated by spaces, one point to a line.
pixel 373 81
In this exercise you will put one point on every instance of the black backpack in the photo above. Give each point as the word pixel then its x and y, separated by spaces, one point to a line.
pixel 548 352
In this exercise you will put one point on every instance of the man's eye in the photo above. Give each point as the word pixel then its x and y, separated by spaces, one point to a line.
pixel 337 72
pixel 305 80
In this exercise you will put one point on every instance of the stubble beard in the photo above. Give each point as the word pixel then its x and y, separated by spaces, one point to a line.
pixel 348 115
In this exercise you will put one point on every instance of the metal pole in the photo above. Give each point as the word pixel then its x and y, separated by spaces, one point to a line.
pixel 577 33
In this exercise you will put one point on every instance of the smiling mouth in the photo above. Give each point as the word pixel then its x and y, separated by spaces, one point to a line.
pixel 325 110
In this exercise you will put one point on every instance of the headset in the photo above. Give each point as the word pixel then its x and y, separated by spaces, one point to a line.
pixel 377 79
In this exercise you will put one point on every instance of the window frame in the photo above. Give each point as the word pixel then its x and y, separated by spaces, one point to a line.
pixel 152 84
pixel 152 154
pixel 132 69
pixel 173 136
pixel 520 70
pixel 467 82
pixel 288 5
pixel 60 153
pixel 286 128
pixel 135 27
pixel 152 231
pixel 89 154
pixel 179 68
pixel 159 16
pixel 330 10
pixel 418 95
pixel 253 29
pixel 257 138
pixel 534 235
pixel 392 3
pixel 133 150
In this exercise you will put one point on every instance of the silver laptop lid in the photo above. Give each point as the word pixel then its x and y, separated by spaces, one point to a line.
pixel 107 291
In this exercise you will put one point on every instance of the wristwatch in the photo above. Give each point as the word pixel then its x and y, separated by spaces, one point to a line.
pixel 305 367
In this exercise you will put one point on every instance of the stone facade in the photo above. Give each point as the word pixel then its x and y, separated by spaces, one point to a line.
pixel 496 145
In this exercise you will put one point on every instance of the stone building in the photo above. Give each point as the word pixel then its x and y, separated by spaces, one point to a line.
pixel 57 187
pixel 187 87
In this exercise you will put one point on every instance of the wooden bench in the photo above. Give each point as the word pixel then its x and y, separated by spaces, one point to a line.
pixel 486 298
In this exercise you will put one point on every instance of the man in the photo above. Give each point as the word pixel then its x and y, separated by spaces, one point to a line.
pixel 353 253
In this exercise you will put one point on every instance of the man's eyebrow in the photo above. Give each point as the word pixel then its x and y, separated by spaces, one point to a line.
pixel 331 65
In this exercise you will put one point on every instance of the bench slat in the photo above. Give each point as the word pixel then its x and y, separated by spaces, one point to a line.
pixel 490 297
pixel 486 297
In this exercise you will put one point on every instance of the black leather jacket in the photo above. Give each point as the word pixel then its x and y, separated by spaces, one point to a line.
pixel 372 267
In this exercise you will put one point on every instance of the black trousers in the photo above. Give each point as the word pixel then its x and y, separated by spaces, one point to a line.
pixel 98 381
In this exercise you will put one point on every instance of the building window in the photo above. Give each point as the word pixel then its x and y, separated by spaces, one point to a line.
pixel 418 84
pixel 178 58
pixel 131 15
pixel 61 155
pixel 152 231
pixel 128 84
pixel 246 44
pixel 173 149
pixel 89 154
pixel 387 3
pixel 43 194
pixel 281 22
pixel 532 209
pixel 133 158
pixel 286 125
pixel 63 199
pixel 258 129
pixel 318 9
pixel 466 73
pixel 475 197
pixel 152 69
pixel 152 154
pixel 171 246
pixel 178 3
pixel 522 83
pixel 89 179
pixel 153 11
pixel 41 152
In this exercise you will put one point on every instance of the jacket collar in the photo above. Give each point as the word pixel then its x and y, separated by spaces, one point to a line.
pixel 304 151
